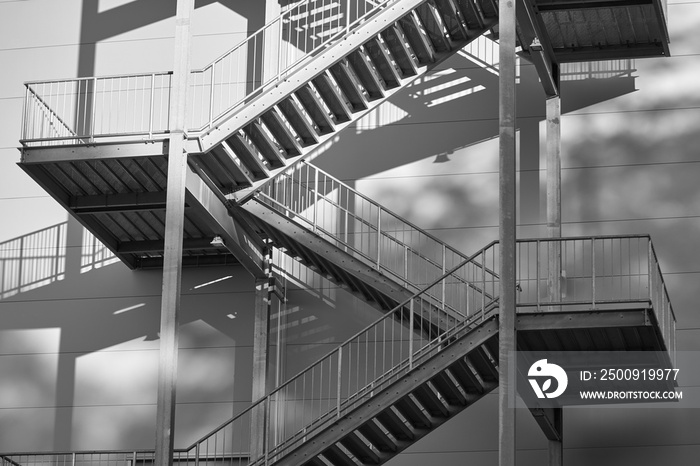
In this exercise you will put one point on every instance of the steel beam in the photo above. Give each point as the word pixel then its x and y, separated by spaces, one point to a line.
pixel 537 47
pixel 124 202
pixel 537 321
pixel 174 232
pixel 550 421
pixel 206 207
pixel 507 235
pixel 612 52
pixel 140 247
pixel 122 150
pixel 559 5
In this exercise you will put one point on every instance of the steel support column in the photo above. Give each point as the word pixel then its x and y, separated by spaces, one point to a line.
pixel 261 332
pixel 553 157
pixel 172 260
pixel 554 278
pixel 507 199
pixel 553 145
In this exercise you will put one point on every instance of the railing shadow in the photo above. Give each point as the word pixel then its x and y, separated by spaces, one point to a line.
pixel 38 259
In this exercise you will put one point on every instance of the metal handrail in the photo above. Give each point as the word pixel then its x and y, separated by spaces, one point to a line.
pixel 402 332
pixel 301 190
pixel 397 313
pixel 217 88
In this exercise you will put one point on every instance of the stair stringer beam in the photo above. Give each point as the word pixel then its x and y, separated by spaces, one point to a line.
pixel 319 246
pixel 469 341
pixel 208 208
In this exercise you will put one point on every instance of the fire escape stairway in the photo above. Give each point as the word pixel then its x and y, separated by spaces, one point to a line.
pixel 387 45
pixel 378 392
pixel 355 242
pixel 401 377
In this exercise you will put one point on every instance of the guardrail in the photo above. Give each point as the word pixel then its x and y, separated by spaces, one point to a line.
pixel 604 272
pixel 360 226
pixel 83 110
pixel 86 109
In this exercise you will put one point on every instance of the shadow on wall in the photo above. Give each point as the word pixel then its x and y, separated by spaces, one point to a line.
pixel 79 349
pixel 97 334
pixel 99 25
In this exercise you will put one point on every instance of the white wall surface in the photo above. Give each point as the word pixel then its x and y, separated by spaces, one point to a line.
pixel 78 350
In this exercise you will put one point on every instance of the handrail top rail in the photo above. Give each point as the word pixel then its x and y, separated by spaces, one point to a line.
pixel 403 304
pixel 354 191
pixel 387 315
pixel 90 78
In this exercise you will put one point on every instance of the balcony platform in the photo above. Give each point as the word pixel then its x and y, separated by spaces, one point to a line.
pixel 584 30
pixel 118 192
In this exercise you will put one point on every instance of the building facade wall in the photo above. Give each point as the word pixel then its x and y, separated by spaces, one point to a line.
pixel 78 332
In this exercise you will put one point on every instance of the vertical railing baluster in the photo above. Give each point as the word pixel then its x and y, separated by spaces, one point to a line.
pixel 537 274
pixel 25 112
pixel 405 266
pixel 379 237
pixel 150 113
pixel 211 94
pixel 315 198
pixel 340 378
pixel 411 318
pixel 650 273
pixel 593 272
pixel 444 282
pixel 280 45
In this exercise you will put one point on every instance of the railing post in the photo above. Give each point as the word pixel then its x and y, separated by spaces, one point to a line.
pixel 150 118
pixel 444 270
pixel 92 109
pixel 379 237
pixel 211 95
pixel 347 16
pixel 649 265
pixel 280 44
pixel 315 199
pixel 196 455
pixel 537 275
pixel 405 266
pixel 25 112
pixel 340 378
pixel 73 459
pixel 593 272
pixel 266 438
pixel 483 285
pixel 410 335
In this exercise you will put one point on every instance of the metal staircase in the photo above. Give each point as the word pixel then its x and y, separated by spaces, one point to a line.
pixel 352 240
pixel 99 147
pixel 398 379
pixel 401 377
pixel 385 45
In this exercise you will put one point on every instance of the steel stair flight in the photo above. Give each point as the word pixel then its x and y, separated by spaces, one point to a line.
pixel 367 52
